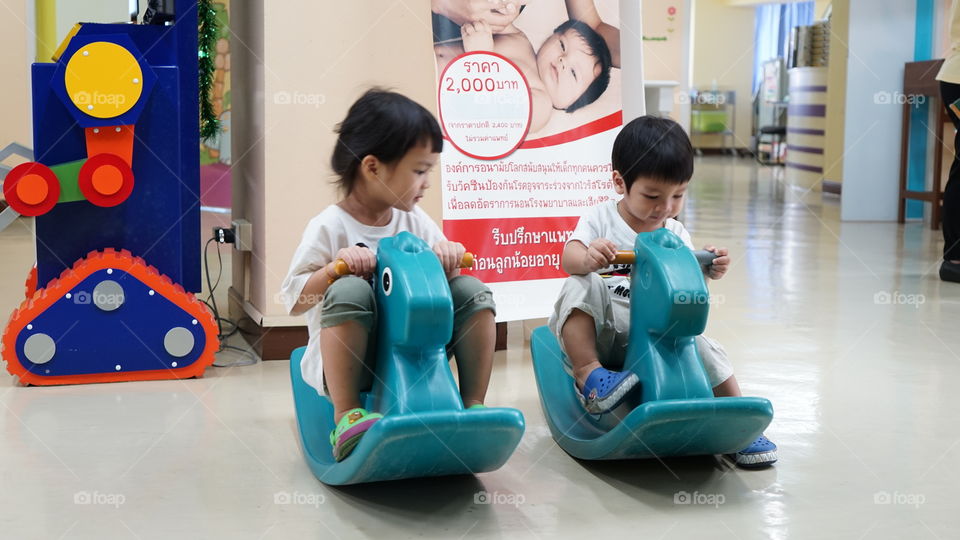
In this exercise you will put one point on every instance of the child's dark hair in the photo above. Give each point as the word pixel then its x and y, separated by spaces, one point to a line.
pixel 385 125
pixel 597 47
pixel 653 147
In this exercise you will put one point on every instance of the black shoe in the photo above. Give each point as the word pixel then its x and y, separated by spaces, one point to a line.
pixel 950 271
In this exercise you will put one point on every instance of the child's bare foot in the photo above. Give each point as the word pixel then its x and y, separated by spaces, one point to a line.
pixel 477 36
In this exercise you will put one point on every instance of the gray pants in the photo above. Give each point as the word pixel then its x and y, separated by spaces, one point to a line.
pixel 589 294
pixel 352 299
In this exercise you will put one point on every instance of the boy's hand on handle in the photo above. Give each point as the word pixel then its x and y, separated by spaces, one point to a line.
pixel 450 255
pixel 720 265
pixel 361 261
pixel 600 253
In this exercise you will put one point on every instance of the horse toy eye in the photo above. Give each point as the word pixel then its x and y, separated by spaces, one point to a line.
pixel 386 281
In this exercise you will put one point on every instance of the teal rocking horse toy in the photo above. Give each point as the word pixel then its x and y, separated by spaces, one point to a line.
pixel 674 412
pixel 425 430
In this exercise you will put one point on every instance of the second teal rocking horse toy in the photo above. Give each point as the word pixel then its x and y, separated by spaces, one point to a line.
pixel 674 413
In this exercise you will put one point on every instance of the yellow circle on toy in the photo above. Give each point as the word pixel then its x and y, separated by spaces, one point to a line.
pixel 103 79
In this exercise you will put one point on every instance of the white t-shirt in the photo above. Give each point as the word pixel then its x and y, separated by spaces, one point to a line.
pixel 327 233
pixel 603 221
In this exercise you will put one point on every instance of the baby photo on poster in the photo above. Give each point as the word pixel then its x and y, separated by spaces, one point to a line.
pixel 567 51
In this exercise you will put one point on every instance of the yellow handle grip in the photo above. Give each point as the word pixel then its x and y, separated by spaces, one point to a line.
pixel 625 257
pixel 340 267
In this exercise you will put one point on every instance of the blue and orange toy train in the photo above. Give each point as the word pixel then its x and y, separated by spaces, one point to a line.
pixel 114 189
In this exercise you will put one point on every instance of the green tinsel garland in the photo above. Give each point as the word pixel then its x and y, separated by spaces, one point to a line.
pixel 208 32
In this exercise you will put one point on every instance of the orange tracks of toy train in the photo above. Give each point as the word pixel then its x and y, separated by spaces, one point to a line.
pixel 95 261
pixel 30 286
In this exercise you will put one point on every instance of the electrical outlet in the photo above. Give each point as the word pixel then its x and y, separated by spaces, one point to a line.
pixel 223 235
pixel 244 235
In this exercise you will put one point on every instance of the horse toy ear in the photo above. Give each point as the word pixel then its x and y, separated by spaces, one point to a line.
pixel 425 430
pixel 675 413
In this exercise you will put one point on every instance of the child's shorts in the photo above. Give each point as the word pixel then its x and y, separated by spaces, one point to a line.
pixel 352 299
pixel 611 319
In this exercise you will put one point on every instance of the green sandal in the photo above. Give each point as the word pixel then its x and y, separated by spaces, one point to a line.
pixel 349 430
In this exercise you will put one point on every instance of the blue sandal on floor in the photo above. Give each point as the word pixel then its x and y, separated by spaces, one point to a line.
pixel 760 454
pixel 605 389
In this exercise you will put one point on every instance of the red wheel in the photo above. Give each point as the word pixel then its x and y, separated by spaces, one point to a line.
pixel 106 180
pixel 31 189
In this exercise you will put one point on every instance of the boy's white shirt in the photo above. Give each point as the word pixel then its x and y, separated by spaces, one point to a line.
pixel 603 221
pixel 327 233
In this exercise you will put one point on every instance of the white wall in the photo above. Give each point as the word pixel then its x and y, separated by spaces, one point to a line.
pixel 723 45
pixel 881 40
pixel 16 39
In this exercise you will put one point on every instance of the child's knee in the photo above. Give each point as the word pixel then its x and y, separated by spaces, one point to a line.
pixel 584 295
pixel 470 296
pixel 349 299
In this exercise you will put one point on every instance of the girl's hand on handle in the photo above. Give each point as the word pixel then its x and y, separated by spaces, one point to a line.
pixel 361 261
pixel 720 265
pixel 450 255
pixel 600 253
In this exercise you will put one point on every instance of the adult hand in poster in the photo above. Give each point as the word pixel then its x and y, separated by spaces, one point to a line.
pixel 586 11
pixel 497 13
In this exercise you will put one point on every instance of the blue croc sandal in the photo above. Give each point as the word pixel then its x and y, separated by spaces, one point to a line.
pixel 606 389
pixel 760 454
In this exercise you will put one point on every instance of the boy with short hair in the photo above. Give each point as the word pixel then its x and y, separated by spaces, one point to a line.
pixel 653 163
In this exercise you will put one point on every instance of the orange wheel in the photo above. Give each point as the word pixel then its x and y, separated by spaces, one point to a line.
pixel 106 180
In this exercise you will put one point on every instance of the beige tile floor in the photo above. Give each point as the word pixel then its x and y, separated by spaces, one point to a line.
pixel 844 326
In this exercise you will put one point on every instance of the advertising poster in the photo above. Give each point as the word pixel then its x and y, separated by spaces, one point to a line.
pixel 530 104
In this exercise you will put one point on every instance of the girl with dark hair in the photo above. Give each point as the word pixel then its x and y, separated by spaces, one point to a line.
pixel 386 146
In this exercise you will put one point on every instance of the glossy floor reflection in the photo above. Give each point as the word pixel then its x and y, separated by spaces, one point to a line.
pixel 844 326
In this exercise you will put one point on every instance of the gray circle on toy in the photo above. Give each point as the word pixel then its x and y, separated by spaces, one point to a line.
pixel 39 348
pixel 178 342
pixel 108 295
